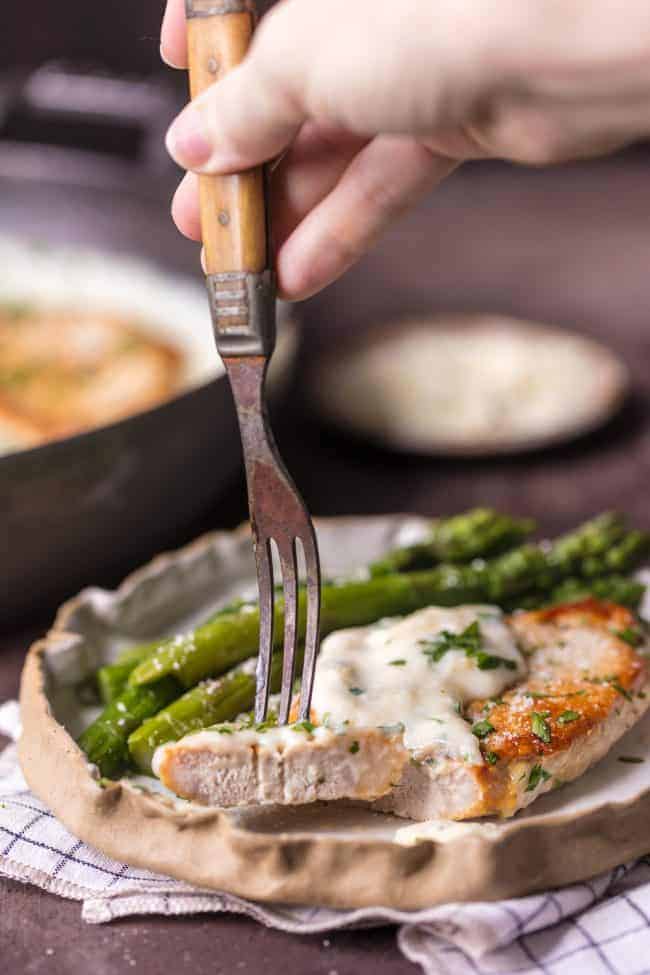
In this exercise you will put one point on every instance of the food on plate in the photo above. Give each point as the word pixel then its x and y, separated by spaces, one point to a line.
pixel 474 534
pixel 64 372
pixel 460 650
pixel 528 575
pixel 490 711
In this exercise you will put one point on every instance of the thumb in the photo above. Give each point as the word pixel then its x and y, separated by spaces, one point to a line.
pixel 247 118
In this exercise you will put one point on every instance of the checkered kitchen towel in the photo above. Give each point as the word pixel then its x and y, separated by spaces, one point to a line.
pixel 602 926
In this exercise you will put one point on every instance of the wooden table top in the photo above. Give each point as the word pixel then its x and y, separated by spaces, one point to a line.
pixel 569 246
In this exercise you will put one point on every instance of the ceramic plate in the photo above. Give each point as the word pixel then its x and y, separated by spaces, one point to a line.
pixel 329 854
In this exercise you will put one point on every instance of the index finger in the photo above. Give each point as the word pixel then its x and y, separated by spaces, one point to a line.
pixel 173 35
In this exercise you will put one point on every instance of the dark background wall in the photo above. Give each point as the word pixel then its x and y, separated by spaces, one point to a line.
pixel 120 35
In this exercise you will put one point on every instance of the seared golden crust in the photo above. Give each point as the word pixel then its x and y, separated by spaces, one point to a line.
pixel 567 694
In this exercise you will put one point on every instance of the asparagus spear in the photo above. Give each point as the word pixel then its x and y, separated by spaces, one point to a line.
pixel 628 552
pixel 613 588
pixel 210 702
pixel 215 647
pixel 478 533
pixel 112 678
pixel 105 740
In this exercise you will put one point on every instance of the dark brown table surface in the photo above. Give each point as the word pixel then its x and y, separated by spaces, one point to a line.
pixel 570 246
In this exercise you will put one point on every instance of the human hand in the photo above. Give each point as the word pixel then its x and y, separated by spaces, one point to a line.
pixel 374 103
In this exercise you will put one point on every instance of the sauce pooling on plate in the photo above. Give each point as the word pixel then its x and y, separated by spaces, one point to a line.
pixel 418 672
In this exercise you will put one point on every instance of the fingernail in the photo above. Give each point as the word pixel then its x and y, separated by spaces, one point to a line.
pixel 167 60
pixel 186 141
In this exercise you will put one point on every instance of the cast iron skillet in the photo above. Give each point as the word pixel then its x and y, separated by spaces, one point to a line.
pixel 80 510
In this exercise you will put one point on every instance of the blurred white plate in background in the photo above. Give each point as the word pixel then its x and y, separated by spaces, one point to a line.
pixel 468 384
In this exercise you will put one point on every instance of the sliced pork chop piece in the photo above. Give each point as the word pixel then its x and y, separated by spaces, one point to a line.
pixel 586 686
pixel 296 764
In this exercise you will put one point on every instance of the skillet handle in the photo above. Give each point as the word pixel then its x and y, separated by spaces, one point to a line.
pixel 233 211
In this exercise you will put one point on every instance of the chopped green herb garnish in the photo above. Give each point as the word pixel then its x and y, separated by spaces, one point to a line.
pixel 392 729
pixel 356 691
pixel 262 726
pixel 536 777
pixel 630 759
pixel 568 716
pixel 400 662
pixel 540 696
pixel 491 758
pixel 540 726
pixel 489 661
pixel 15 310
pixel 482 728
pixel 613 681
pixel 223 729
pixel 630 635
pixel 470 641
pixel 306 726
pixel 354 748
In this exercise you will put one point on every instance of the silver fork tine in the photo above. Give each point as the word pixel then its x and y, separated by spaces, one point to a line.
pixel 312 567
pixel 265 586
pixel 289 565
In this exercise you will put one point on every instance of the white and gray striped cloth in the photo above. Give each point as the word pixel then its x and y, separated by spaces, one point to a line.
pixel 602 926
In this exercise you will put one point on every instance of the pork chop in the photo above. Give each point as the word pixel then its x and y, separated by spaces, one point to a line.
pixel 586 686
pixel 482 714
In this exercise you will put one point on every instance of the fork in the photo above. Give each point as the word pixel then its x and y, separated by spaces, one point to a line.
pixel 242 293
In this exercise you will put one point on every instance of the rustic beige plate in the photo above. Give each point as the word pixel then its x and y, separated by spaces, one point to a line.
pixel 332 855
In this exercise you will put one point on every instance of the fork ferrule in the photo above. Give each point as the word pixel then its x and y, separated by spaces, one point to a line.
pixel 242 304
pixel 211 8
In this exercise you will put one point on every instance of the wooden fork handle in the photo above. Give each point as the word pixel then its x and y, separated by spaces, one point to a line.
pixel 233 211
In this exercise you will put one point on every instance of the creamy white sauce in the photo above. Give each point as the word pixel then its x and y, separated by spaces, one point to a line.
pixel 379 675
pixel 444 831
